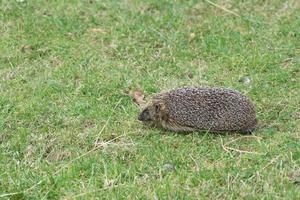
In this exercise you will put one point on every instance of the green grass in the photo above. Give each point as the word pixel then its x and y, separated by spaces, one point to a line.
pixel 69 130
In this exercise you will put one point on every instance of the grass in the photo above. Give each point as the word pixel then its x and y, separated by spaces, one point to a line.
pixel 69 130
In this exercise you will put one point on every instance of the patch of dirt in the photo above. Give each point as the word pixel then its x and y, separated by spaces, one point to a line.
pixel 137 96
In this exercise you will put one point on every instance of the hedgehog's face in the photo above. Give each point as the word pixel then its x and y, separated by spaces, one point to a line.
pixel 150 114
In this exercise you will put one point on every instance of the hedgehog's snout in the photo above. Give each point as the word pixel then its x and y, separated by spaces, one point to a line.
pixel 141 117
pixel 145 116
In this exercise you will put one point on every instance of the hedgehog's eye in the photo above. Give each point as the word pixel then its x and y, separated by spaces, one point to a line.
pixel 146 112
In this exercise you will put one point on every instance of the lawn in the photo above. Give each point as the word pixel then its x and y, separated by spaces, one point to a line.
pixel 69 128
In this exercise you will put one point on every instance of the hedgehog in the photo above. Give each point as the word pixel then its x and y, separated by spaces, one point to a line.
pixel 201 109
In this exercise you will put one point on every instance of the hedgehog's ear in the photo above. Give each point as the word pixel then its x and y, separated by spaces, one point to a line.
pixel 159 107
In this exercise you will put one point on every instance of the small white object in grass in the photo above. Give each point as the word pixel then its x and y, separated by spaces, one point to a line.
pixel 20 1
pixel 168 167
pixel 246 80
pixel 192 35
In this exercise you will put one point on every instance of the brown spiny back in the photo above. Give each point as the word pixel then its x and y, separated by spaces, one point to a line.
pixel 213 109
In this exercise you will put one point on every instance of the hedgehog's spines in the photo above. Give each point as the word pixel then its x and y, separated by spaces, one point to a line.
pixel 214 109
